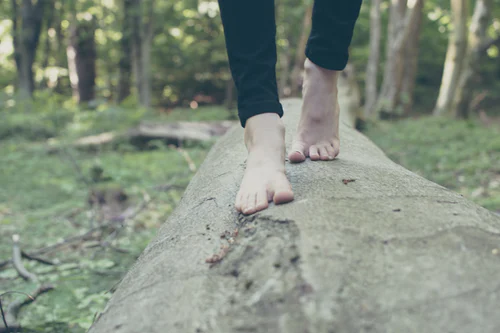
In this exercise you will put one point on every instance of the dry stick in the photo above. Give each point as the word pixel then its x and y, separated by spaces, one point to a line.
pixel 4 319
pixel 17 261
pixel 13 309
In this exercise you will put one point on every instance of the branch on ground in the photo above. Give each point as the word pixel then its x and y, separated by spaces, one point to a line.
pixel 9 316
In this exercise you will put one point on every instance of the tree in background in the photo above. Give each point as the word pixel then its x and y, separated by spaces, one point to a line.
pixel 455 55
pixel 402 32
pixel 477 38
pixel 142 38
pixel 82 56
pixel 27 25
pixel 374 58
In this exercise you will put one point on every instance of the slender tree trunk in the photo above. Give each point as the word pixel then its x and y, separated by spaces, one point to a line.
pixel 374 58
pixel 476 39
pixel 411 58
pixel 125 65
pixel 300 57
pixel 142 37
pixel 26 37
pixel 82 56
pixel 455 55
pixel 391 84
pixel 403 15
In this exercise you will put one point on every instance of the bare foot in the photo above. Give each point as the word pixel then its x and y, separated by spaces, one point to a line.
pixel 264 178
pixel 318 132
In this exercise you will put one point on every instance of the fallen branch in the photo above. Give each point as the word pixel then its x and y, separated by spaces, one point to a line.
pixel 9 316
pixel 17 261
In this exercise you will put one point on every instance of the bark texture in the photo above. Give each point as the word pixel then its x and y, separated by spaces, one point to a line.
pixel 388 252
pixel 455 55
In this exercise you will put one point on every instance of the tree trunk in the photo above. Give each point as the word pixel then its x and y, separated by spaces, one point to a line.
pixel 142 37
pixel 476 39
pixel 411 58
pixel 300 57
pixel 402 17
pixel 82 56
pixel 374 58
pixel 455 55
pixel 125 65
pixel 26 37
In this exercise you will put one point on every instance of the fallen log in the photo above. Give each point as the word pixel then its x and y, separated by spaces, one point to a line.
pixel 172 133
pixel 367 246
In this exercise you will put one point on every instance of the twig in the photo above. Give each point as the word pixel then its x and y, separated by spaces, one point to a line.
pixel 4 319
pixel 17 261
pixel 40 260
pixel 13 309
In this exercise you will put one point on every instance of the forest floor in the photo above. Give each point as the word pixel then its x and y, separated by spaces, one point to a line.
pixel 44 197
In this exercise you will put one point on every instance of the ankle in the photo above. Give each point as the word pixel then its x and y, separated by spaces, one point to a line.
pixel 263 130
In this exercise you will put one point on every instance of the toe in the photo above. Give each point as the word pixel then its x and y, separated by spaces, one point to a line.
pixel 249 205
pixel 323 153
pixel 297 154
pixel 282 191
pixel 261 201
pixel 313 153
pixel 238 202
pixel 331 152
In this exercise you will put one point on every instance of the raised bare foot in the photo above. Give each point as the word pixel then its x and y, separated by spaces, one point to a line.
pixel 318 132
pixel 264 178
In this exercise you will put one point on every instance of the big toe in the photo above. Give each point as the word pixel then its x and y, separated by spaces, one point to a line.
pixel 297 155
pixel 282 191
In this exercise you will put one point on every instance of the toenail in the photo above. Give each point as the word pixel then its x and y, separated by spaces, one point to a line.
pixel 330 158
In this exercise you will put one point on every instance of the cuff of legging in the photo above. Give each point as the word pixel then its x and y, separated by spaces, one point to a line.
pixel 331 61
pixel 259 108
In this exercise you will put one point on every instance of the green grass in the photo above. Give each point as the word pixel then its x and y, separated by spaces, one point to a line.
pixel 40 189
pixel 461 155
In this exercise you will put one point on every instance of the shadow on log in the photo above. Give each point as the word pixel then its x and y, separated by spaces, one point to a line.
pixel 367 246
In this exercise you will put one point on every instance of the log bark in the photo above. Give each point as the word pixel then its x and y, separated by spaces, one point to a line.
pixel 388 252
pixel 455 55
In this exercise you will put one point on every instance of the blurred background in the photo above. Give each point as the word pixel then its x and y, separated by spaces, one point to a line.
pixel 107 109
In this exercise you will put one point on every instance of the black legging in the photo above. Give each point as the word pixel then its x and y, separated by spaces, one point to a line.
pixel 250 30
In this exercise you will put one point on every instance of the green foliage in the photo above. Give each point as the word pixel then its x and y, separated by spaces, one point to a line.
pixel 44 199
pixel 461 155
